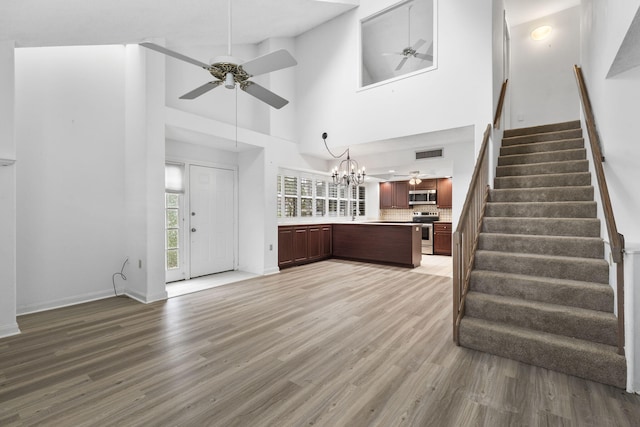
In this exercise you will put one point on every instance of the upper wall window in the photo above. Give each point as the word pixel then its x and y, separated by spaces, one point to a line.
pixel 398 42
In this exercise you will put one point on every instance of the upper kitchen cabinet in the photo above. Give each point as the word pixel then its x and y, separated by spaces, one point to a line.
pixel 426 184
pixel 444 191
pixel 394 194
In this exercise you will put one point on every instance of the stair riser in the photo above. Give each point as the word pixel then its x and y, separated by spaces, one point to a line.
pixel 553 194
pixel 587 295
pixel 546 157
pixel 554 127
pixel 561 268
pixel 542 210
pixel 542 137
pixel 600 328
pixel 543 168
pixel 580 248
pixel 567 144
pixel 604 368
pixel 549 180
pixel 542 226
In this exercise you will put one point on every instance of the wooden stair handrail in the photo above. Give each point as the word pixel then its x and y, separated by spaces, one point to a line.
pixel 465 238
pixel 498 116
pixel 616 239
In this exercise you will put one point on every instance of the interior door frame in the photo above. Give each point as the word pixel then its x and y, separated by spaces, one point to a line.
pixel 187 208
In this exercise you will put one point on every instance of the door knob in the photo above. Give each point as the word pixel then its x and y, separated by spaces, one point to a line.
pixel 193 230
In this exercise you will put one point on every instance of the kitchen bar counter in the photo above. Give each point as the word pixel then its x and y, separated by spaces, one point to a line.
pixel 384 242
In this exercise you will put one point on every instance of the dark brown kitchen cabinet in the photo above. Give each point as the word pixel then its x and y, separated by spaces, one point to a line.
pixel 444 193
pixel 442 238
pixel 285 246
pixel 425 184
pixel 300 244
pixel 326 236
pixel 394 195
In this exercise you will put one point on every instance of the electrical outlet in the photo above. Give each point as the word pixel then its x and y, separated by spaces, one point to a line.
pixel 139 263
pixel 271 247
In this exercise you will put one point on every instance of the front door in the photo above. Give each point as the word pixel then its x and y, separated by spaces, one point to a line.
pixel 211 220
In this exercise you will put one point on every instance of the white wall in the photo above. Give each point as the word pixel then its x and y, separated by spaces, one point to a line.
pixel 542 84
pixel 8 325
pixel 458 93
pixel 70 178
pixel 616 102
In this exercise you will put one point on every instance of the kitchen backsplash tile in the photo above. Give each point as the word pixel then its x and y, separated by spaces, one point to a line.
pixel 407 214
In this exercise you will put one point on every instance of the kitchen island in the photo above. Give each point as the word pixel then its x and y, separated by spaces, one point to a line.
pixel 383 242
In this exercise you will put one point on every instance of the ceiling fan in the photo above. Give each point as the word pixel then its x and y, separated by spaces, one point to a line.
pixel 414 177
pixel 229 70
pixel 411 51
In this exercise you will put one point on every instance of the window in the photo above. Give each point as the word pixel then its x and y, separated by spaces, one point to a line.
pixel 172 229
pixel 302 195
pixel 174 190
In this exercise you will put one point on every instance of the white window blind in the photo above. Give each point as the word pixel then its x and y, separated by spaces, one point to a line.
pixel 174 178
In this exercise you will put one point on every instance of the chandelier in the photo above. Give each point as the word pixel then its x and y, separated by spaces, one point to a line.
pixel 348 173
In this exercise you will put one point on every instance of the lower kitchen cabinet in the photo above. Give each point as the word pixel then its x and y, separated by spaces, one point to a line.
pixel 442 238
pixel 300 244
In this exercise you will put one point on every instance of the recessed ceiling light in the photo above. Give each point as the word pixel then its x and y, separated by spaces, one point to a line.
pixel 391 171
pixel 541 33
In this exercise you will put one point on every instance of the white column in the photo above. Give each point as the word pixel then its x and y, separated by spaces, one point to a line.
pixel 144 169
pixel 8 324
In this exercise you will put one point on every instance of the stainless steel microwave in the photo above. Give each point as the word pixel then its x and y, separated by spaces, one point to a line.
pixel 422 197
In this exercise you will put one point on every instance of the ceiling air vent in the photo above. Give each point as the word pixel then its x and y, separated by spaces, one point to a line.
pixel 428 154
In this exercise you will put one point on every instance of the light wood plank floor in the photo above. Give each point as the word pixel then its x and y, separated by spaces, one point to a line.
pixel 333 343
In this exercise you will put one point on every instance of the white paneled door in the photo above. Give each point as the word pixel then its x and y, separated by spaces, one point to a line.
pixel 211 220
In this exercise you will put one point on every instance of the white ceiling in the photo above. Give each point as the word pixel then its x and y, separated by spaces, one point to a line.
pixel 521 11
pixel 32 23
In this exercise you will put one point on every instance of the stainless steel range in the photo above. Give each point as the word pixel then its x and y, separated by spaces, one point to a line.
pixel 426 219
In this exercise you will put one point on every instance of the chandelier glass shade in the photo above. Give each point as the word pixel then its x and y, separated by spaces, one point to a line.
pixel 415 181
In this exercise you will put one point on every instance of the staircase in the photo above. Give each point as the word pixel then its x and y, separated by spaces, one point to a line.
pixel 539 290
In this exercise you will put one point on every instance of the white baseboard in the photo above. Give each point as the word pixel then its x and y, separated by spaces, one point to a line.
pixel 273 270
pixel 64 302
pixel 146 299
pixel 9 330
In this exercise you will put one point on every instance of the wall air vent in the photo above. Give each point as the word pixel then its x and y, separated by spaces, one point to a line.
pixel 428 154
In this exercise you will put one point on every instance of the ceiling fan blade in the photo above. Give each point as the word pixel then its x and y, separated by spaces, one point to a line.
pixel 272 61
pixel 402 62
pixel 418 44
pixel 173 54
pixel 265 95
pixel 392 53
pixel 201 90
pixel 424 56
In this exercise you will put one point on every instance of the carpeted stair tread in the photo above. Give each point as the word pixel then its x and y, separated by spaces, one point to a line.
pixel 584 359
pixel 542 209
pixel 542 137
pixel 542 157
pixel 575 322
pixel 560 267
pixel 589 295
pixel 569 246
pixel 545 146
pixel 574 179
pixel 579 227
pixel 542 194
pixel 570 166
pixel 553 127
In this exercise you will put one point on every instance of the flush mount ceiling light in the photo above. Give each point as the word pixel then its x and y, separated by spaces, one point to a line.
pixel 541 33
